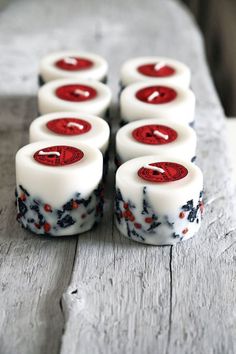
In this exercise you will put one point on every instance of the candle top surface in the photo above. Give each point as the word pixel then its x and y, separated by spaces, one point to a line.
pixel 74 63
pixel 154 134
pixel 58 155
pixel 179 174
pixel 69 126
pixel 162 172
pixel 155 70
pixel 156 94
pixel 76 93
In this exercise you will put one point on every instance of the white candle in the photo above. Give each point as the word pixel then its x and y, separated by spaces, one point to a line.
pixel 168 70
pixel 87 96
pixel 158 200
pixel 147 100
pixel 73 64
pixel 58 187
pixel 155 136
pixel 73 126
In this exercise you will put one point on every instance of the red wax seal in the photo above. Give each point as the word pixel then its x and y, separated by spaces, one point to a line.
pixel 156 94
pixel 153 70
pixel 154 134
pixel 69 126
pixel 76 93
pixel 74 64
pixel 171 172
pixel 59 155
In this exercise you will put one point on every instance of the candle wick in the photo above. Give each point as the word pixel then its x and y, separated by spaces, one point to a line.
pixel 160 134
pixel 154 168
pixel 81 92
pixel 77 125
pixel 153 96
pixel 70 60
pixel 159 65
pixel 57 153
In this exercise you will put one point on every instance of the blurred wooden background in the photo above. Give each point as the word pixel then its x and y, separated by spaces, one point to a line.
pixel 217 19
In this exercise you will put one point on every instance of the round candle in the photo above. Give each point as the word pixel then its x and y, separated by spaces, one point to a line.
pixel 74 127
pixel 155 136
pixel 148 100
pixel 73 64
pixel 58 187
pixel 71 95
pixel 158 200
pixel 170 71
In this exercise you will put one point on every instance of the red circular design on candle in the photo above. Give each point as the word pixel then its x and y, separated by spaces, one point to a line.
pixel 68 155
pixel 61 126
pixel 173 172
pixel 149 70
pixel 74 63
pixel 76 93
pixel 165 94
pixel 145 134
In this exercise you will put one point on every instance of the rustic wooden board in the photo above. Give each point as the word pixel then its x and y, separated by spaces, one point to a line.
pixel 99 292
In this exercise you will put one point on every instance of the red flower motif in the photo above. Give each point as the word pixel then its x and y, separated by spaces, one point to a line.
pixel 132 218
pixel 185 231
pixel 74 205
pixel 48 208
pixel 23 197
pixel 181 215
pixel 128 215
pixel 126 205
pixel 47 227
pixel 148 220
pixel 37 226
pixel 201 207
pixel 137 225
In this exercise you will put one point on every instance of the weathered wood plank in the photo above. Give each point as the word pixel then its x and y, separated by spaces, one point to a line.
pixel 123 297
pixel 33 271
pixel 119 290
pixel 194 310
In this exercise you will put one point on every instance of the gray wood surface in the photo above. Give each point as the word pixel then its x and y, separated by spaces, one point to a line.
pixel 100 293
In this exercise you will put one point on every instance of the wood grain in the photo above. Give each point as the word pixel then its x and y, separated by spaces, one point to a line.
pixel 34 271
pixel 116 296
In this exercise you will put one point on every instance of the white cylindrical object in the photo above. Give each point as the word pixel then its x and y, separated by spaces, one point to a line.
pixel 169 71
pixel 155 137
pixel 158 200
pixel 72 126
pixel 58 187
pixel 148 100
pixel 73 64
pixel 71 95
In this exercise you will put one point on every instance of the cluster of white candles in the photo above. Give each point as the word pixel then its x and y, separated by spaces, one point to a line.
pixel 59 175
pixel 158 187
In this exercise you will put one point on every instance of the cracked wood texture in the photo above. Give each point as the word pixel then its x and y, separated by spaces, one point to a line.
pixel 100 293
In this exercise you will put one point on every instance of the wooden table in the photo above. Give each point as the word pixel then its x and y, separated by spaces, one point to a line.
pixel 100 293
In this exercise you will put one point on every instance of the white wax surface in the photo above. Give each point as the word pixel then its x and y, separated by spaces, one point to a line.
pixel 180 110
pixel 48 102
pixel 130 74
pixel 57 184
pixel 97 136
pixel 184 147
pixel 49 71
pixel 164 197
